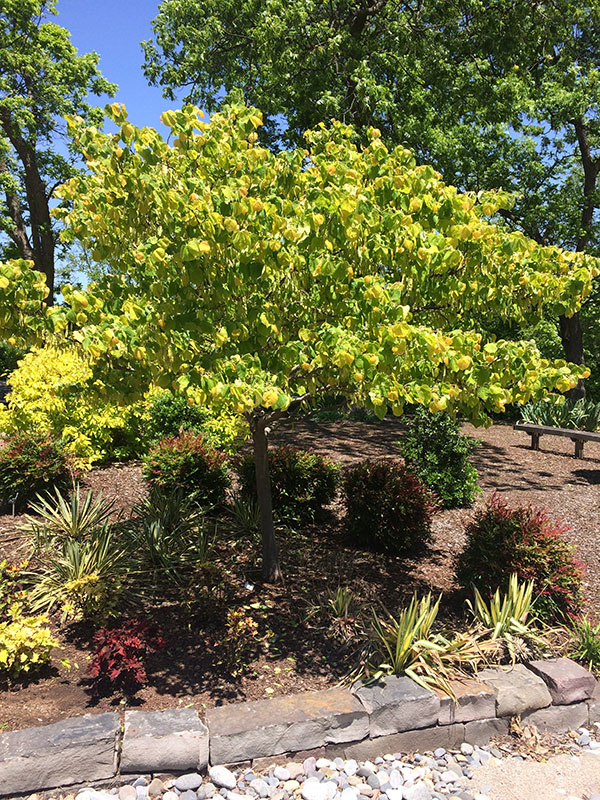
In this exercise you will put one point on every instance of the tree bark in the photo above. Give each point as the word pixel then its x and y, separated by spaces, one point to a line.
pixel 570 327
pixel 41 241
pixel 271 564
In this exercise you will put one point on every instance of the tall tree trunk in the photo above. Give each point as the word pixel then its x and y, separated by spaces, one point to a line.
pixel 41 243
pixel 271 564
pixel 572 340
pixel 570 327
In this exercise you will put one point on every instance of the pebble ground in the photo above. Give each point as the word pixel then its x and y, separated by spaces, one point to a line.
pixel 427 776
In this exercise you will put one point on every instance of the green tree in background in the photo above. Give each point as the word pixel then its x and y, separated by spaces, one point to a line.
pixel 42 78
pixel 498 93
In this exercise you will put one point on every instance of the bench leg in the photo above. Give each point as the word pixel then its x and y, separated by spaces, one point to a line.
pixel 578 448
pixel 535 441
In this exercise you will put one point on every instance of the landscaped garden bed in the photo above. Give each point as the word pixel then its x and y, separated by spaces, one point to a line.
pixel 296 636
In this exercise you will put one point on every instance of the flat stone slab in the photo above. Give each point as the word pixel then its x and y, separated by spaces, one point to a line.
pixel 567 681
pixel 243 731
pixel 518 690
pixel 593 705
pixel 474 700
pixel 558 718
pixel 174 740
pixel 397 704
pixel 480 731
pixel 416 741
pixel 66 752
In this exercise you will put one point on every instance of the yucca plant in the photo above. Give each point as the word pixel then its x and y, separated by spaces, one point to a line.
pixel 244 515
pixel 585 646
pixel 61 518
pixel 82 577
pixel 407 645
pixel 344 612
pixel 508 619
pixel 172 535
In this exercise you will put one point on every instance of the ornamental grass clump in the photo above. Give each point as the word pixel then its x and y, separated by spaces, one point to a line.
pixel 525 541
pixel 387 507
pixel 186 462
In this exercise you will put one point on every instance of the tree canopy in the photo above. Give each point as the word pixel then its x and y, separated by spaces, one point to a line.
pixel 501 94
pixel 252 281
pixel 42 78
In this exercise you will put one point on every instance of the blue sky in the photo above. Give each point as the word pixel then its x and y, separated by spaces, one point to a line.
pixel 114 29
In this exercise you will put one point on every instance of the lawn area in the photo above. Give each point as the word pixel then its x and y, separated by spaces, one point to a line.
pixel 298 646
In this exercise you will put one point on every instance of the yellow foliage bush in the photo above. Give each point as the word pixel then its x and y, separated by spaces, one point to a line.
pixel 25 643
pixel 52 392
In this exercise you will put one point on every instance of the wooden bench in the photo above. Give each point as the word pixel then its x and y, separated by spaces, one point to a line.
pixel 578 437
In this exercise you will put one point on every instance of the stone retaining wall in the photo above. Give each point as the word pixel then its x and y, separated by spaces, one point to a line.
pixel 391 716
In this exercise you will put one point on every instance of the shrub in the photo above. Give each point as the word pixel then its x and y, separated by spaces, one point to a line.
pixel 9 358
pixel 437 452
pixel 302 482
pixel 387 507
pixel 52 393
pixel 522 540
pixel 31 464
pixel 169 413
pixel 119 655
pixel 25 643
pixel 188 463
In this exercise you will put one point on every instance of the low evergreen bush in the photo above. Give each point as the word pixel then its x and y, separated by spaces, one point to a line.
pixel 186 462
pixel 387 506
pixel 525 541
pixel 30 465
pixel 169 413
pixel 437 452
pixel 302 482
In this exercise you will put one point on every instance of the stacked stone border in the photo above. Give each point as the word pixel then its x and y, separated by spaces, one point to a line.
pixel 393 715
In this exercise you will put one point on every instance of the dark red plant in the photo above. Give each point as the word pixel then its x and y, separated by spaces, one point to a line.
pixel 119 655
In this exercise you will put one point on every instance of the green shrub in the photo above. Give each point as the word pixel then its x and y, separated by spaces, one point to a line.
pixel 25 644
pixel 302 482
pixel 169 413
pixel 53 393
pixel 437 452
pixel 9 358
pixel 31 464
pixel 188 463
pixel 387 507
pixel 522 540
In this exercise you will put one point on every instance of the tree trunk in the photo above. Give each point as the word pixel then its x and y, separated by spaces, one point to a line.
pixel 572 340
pixel 271 564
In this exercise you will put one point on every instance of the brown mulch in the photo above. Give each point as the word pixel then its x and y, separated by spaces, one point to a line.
pixel 301 653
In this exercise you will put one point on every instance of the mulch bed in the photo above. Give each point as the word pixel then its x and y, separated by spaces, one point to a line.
pixel 302 653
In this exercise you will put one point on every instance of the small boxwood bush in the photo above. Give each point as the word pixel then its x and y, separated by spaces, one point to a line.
pixel 437 452
pixel 30 465
pixel 302 482
pixel 387 507
pixel 523 540
pixel 188 463
pixel 169 413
